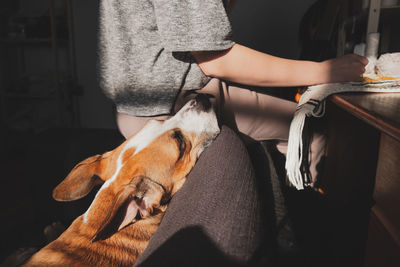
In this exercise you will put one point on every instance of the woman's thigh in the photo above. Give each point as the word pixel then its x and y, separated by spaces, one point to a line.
pixel 258 115
pixel 216 218
pixel 128 125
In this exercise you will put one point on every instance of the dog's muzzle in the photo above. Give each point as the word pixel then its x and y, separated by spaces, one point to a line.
pixel 202 102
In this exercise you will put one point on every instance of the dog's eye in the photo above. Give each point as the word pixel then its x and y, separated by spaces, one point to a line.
pixel 180 139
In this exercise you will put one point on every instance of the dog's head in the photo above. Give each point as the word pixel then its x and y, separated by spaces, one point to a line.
pixel 143 172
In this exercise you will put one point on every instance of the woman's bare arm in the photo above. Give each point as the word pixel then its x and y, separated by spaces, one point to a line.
pixel 247 66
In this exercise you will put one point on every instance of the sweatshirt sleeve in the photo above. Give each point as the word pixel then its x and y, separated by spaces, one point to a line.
pixel 193 25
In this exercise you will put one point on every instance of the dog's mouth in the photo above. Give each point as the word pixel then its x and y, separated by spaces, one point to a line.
pixel 131 211
pixel 136 206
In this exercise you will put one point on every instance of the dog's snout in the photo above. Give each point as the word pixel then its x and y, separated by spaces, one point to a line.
pixel 203 102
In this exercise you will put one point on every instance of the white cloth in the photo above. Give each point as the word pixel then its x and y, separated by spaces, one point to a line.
pixel 312 103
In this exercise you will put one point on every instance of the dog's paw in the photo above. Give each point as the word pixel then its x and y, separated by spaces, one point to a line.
pixel 53 231
pixel 18 257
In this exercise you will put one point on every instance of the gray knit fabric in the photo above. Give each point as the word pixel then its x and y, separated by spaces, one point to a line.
pixel 144 44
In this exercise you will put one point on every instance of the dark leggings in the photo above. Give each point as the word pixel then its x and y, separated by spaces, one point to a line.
pixel 217 218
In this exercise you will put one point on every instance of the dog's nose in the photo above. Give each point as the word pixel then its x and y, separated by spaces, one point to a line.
pixel 203 102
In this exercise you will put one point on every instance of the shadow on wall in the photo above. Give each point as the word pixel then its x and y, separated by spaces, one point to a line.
pixel 269 26
pixel 95 109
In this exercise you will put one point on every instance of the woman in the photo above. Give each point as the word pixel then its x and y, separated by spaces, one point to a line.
pixel 156 54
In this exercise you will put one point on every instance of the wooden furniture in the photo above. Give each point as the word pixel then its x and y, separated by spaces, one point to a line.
pixel 361 180
pixel 358 18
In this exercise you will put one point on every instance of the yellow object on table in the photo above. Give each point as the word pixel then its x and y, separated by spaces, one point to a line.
pixel 378 78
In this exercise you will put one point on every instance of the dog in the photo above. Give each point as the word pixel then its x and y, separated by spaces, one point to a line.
pixel 138 179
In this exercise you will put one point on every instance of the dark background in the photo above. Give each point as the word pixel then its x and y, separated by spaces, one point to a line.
pixel 53 113
pixel 43 135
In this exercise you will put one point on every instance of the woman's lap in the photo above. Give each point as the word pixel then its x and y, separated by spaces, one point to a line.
pixel 216 219
pixel 217 216
pixel 259 116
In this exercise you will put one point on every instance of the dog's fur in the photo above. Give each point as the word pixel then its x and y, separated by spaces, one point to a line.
pixel 139 177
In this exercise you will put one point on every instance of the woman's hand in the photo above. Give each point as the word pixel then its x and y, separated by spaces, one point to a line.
pixel 348 68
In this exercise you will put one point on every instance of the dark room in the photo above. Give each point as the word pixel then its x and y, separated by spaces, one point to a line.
pixel 200 133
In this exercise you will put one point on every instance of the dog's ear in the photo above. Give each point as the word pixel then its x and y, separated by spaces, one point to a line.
pixel 136 200
pixel 80 181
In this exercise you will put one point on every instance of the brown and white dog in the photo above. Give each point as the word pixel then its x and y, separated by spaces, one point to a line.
pixel 139 177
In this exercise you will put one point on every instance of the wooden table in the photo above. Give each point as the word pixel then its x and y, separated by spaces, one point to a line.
pixel 361 180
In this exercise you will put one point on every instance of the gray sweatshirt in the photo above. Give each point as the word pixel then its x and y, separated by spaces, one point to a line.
pixel 144 50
